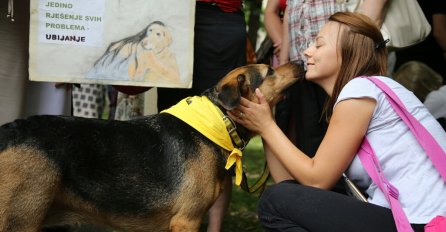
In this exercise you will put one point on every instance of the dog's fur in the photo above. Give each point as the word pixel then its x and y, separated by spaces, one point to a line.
pixel 150 174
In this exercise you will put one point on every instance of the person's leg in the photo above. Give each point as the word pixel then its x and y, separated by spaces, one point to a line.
pixel 218 210
pixel 88 100
pixel 288 206
pixel 13 61
pixel 277 170
pixel 45 98
pixel 220 46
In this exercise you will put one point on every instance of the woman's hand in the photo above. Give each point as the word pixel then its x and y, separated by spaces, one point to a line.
pixel 257 117
pixel 277 47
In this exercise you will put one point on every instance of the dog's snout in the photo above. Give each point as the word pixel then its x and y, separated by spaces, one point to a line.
pixel 294 70
pixel 299 63
pixel 296 67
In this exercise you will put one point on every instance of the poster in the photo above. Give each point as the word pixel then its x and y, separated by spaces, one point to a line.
pixel 118 42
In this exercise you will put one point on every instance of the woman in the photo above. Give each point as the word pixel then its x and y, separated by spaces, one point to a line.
pixel 348 46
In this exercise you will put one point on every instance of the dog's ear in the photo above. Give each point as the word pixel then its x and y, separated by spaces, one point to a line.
pixel 230 92
pixel 167 36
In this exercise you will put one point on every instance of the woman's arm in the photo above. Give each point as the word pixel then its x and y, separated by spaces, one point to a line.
pixel 278 172
pixel 284 56
pixel 439 29
pixel 375 9
pixel 345 133
pixel 273 23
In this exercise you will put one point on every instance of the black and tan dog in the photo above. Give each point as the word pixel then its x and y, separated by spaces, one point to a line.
pixel 151 174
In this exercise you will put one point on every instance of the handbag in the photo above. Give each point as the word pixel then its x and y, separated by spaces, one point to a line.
pixel 404 24
pixel 373 168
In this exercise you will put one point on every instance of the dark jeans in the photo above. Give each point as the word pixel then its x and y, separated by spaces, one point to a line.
pixel 292 207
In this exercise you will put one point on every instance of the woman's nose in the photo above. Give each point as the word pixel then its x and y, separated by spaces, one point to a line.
pixel 307 52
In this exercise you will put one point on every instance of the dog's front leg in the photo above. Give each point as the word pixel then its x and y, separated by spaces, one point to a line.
pixel 184 225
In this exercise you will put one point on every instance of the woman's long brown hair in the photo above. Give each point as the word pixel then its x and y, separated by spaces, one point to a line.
pixel 362 49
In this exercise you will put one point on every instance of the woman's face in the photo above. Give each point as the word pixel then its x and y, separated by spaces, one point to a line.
pixel 323 58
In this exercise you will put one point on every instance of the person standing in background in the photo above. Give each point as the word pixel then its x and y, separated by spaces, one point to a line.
pixel 13 60
pixel 300 114
pixel 20 97
pixel 273 24
pixel 89 100
pixel 219 47
pixel 433 49
pixel 436 104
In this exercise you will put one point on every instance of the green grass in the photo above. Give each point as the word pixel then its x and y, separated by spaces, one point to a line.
pixel 242 213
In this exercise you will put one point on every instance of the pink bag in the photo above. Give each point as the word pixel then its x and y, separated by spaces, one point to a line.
pixel 438 224
pixel 373 168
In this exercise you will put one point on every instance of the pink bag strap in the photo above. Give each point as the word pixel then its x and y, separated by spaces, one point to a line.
pixel 373 168
pixel 424 137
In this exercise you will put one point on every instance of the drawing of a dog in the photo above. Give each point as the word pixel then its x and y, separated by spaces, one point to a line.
pixel 155 173
pixel 146 57
pixel 153 59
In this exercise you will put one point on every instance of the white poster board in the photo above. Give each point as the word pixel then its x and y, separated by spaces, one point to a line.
pixel 117 42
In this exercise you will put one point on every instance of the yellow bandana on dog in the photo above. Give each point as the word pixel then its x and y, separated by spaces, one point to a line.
pixel 202 114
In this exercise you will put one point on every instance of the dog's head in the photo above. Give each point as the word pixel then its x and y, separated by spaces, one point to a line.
pixel 243 81
pixel 157 38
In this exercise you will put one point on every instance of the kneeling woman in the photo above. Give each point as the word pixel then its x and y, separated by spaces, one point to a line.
pixel 349 46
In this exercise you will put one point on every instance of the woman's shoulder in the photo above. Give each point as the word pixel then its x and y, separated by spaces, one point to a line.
pixel 364 80
pixel 361 87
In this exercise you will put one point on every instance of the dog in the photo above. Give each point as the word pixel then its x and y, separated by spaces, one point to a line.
pixel 145 56
pixel 153 59
pixel 155 173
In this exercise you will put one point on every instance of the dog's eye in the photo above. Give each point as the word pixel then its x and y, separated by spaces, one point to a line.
pixel 270 71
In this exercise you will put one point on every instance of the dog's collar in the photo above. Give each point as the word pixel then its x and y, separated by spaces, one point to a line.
pixel 231 127
pixel 206 117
